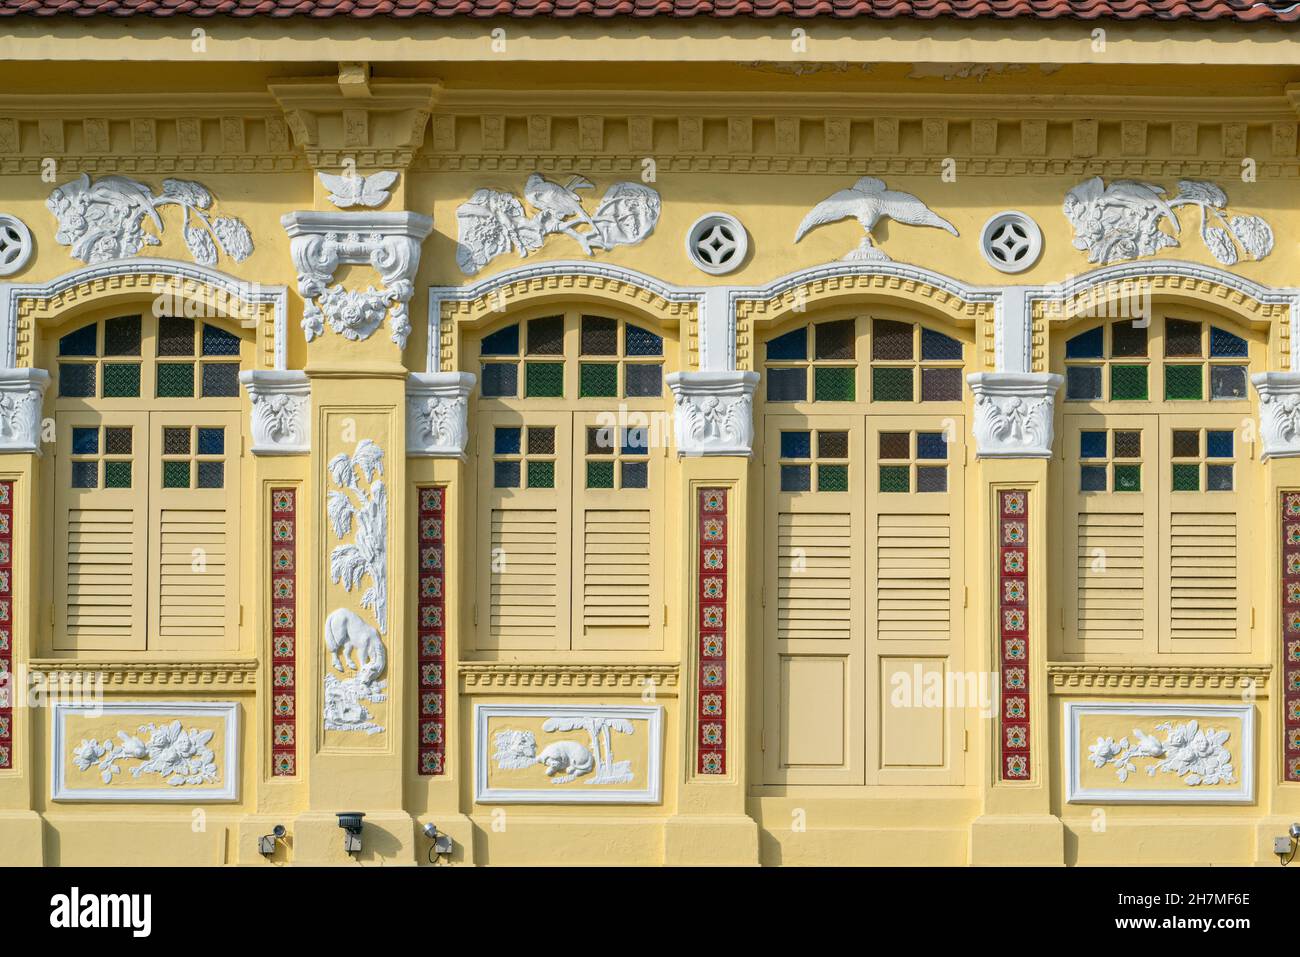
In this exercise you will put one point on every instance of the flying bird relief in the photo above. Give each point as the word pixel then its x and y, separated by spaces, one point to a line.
pixel 868 201
pixel 494 222
pixel 351 189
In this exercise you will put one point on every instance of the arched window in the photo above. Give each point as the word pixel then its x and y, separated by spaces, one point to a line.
pixel 146 484
pixel 573 427
pixel 862 423
pixel 1156 474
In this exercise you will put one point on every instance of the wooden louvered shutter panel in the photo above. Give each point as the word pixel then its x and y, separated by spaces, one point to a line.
pixel 101 545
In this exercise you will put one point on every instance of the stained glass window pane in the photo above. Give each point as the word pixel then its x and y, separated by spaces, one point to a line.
pixel 546 336
pixel 891 340
pixel 1218 443
pixel 636 441
pixel 834 339
pixel 600 475
pixel 1127 340
pixel 1092 478
pixel 796 445
pixel 176 475
pixel 212 441
pixel 787 385
pixel 932 478
pixel 940 385
pixel 211 474
pixel 117 440
pixel 541 440
pixel 1183 382
pixel 500 379
pixel 82 342
pixel 796 478
pixel 895 478
pixel 1086 345
pixel 890 384
pixel 175 336
pixel 1218 478
pixel 121 380
pixel 931 445
pixel 1187 443
pixel 220 379
pixel 505 474
pixel 1128 478
pixel 1083 382
pixel 76 381
pixel 1128 444
pixel 832 445
pixel 544 380
pixel 1128 382
pixel 1182 338
pixel 600 441
pixel 1186 477
pixel 1224 345
pixel 634 474
pixel 642 380
pixel 1092 445
pixel 506 441
pixel 503 342
pixel 85 441
pixel 175 380
pixel 117 475
pixel 218 342
pixel 832 478
pixel 597 379
pixel 936 347
pixel 176 441
pixel 1227 382
pixel 793 346
pixel 599 336
pixel 85 474
pixel 541 475
pixel 835 383
pixel 122 336
pixel 895 445
pixel 641 342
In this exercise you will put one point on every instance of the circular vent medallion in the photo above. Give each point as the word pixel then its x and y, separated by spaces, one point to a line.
pixel 1011 241
pixel 15 244
pixel 717 243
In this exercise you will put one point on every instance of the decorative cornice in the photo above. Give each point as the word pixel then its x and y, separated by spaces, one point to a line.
pixel 1188 679
pixel 147 676
pixel 713 412
pixel 1013 413
pixel 373 122
pixel 21 393
pixel 280 417
pixel 437 413
pixel 567 678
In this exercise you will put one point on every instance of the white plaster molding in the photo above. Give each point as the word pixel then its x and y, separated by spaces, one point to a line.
pixel 21 393
pixel 250 294
pixel 1188 766
pixel 320 242
pixel 16 246
pixel 437 413
pixel 353 189
pixel 1279 413
pixel 713 412
pixel 579 768
pixel 868 201
pixel 1013 413
pixel 154 743
pixel 280 418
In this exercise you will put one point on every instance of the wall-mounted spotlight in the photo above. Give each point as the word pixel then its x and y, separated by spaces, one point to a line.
pixel 350 821
pixel 442 843
pixel 1285 847
pixel 266 843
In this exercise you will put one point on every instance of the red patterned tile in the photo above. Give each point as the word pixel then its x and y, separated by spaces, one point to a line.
pixel 284 632
pixel 1013 631
pixel 711 660
pixel 431 625
pixel 1290 508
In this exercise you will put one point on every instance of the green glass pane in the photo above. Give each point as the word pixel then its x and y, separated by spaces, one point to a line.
pixel 834 384
pixel 895 478
pixel 175 380
pixel 121 380
pixel 1128 478
pixel 891 384
pixel 1128 382
pixel 600 475
pixel 543 380
pixel 597 380
pixel 176 475
pixel 541 475
pixel 1183 382
pixel 117 474
pixel 1187 478
pixel 832 478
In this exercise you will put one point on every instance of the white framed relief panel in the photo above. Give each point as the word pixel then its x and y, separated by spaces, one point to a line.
pixel 1159 753
pixel 133 751
pixel 568 754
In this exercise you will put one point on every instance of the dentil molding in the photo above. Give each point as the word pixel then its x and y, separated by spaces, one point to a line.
pixel 281 410
pixel 21 393
pixel 437 408
pixel 1013 413
pixel 1279 413
pixel 320 242
pixel 1195 680
pixel 713 412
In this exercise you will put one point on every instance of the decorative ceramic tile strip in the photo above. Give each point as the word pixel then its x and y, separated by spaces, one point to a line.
pixel 6 623
pixel 284 632
pixel 432 632
pixel 1291 632
pixel 1013 630
pixel 712 717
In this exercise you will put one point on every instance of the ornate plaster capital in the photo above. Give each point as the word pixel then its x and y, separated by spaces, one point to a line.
pixel 1279 413
pixel 320 242
pixel 21 394
pixel 437 408
pixel 1013 413
pixel 713 412
pixel 281 414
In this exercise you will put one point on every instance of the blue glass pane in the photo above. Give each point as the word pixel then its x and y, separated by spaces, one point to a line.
pixel 505 474
pixel 937 346
pixel 503 342
pixel 218 342
pixel 636 441
pixel 1092 478
pixel 212 441
pixel 85 441
pixel 1224 344
pixel 1086 345
pixel 796 478
pixel 796 445
pixel 1083 382
pixel 931 445
pixel 1092 445
pixel 642 342
pixel 507 442
pixel 1218 443
pixel 787 385
pixel 789 347
pixel 500 379
pixel 80 343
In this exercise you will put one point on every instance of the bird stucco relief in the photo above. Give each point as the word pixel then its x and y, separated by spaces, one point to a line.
pixel 868 201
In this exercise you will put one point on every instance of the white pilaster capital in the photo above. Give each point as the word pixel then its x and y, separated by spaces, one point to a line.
pixel 713 412
pixel 280 421
pixel 1013 413
pixel 437 413
pixel 1279 413
pixel 21 394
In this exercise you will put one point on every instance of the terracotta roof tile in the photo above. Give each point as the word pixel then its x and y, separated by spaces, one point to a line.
pixel 1241 10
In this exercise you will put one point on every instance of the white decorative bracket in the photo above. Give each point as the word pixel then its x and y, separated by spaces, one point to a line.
pixel 389 242
pixel 1279 413
pixel 714 412
pixel 437 413
pixel 1013 413
pixel 21 394
pixel 281 416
